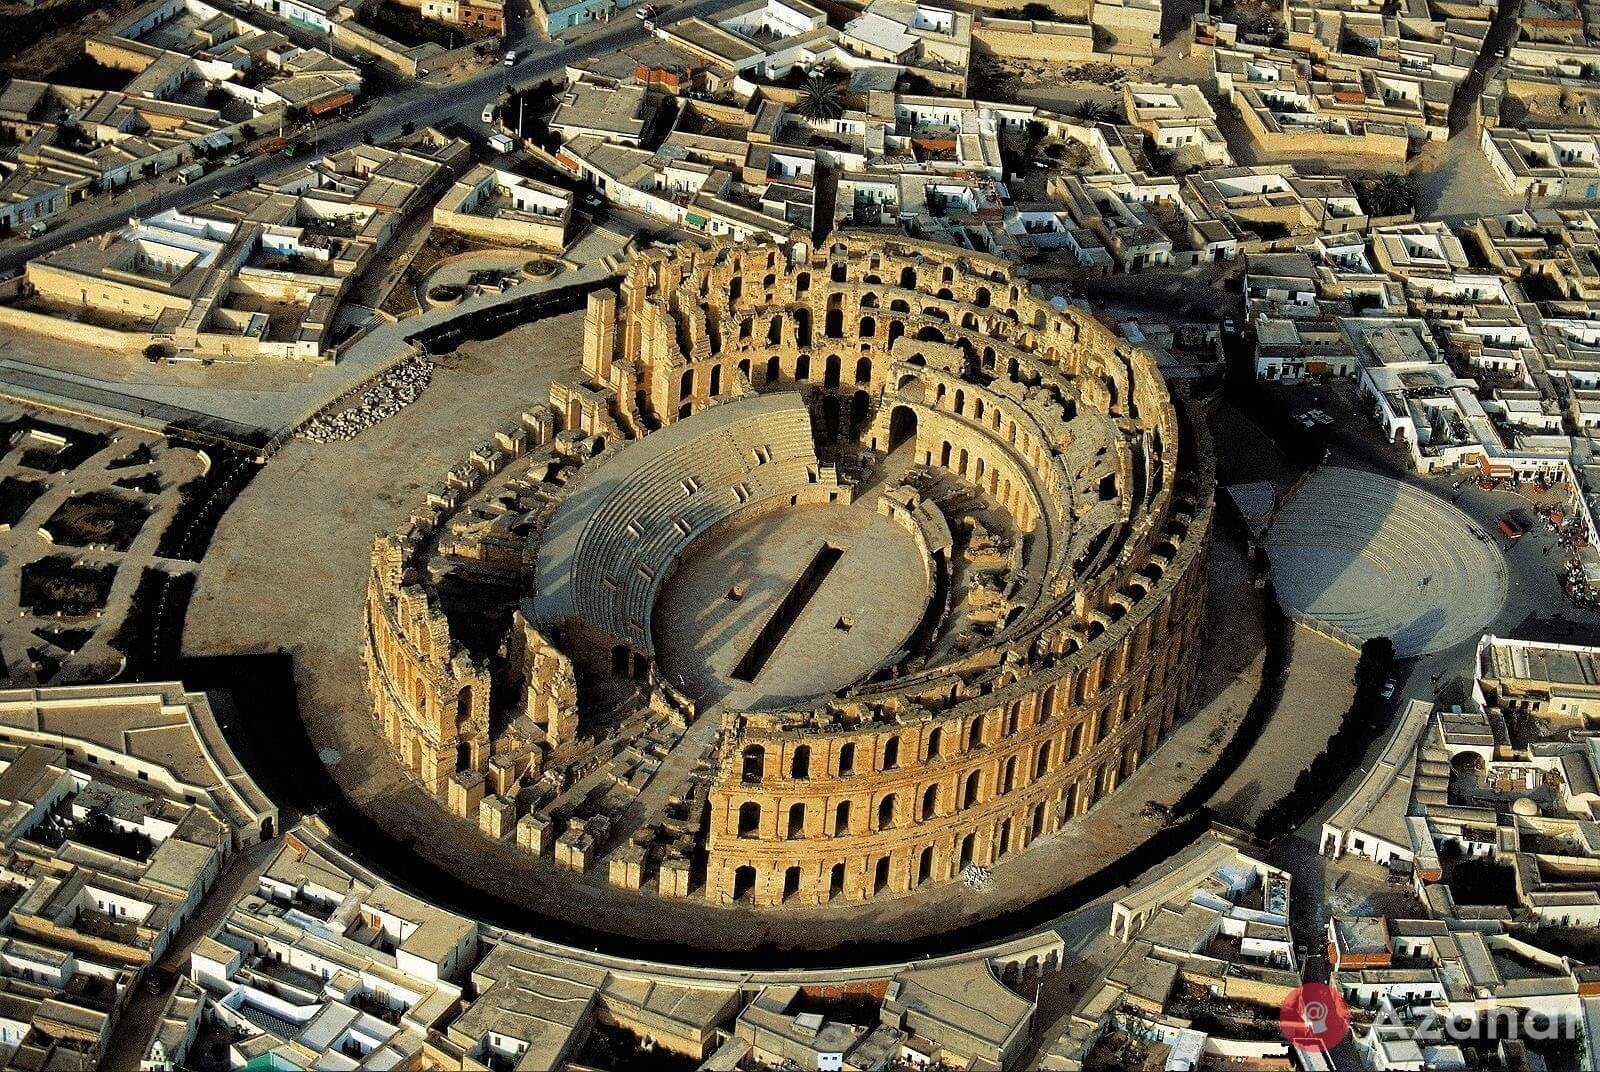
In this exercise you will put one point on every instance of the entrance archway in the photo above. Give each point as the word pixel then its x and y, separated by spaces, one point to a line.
pixel 902 426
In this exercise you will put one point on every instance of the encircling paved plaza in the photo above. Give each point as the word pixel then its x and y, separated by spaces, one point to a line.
pixel 1375 557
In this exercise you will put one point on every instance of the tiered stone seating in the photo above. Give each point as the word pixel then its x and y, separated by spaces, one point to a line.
pixel 614 541
pixel 1375 557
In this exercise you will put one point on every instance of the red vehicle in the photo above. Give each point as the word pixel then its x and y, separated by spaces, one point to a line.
pixel 1511 526
pixel 270 146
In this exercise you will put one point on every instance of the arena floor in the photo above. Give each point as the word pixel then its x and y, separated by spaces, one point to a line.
pixel 876 588
pixel 1374 557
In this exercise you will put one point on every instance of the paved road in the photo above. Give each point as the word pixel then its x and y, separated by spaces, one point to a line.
pixel 420 104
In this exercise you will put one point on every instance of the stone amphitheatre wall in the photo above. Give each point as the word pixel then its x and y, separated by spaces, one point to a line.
pixel 910 781
pixel 948 758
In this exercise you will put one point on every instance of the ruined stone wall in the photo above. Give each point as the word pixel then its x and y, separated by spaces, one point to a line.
pixel 431 699
pixel 1072 430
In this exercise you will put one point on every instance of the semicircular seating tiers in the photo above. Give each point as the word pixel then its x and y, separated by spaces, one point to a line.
pixel 713 365
pixel 622 531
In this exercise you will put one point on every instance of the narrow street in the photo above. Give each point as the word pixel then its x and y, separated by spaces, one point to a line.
pixel 137 1026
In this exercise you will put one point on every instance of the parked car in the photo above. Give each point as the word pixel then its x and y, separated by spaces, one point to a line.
pixel 232 159
pixel 1511 525
pixel 1387 692
pixel 488 112
pixel 645 13
pixel 511 58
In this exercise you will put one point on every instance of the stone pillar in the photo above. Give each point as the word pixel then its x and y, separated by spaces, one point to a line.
pixel 533 834
pixel 599 335
pixel 496 816
pixel 466 793
pixel 627 867
pixel 674 877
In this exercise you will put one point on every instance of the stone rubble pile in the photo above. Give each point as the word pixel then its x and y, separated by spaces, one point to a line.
pixel 387 395
pixel 977 878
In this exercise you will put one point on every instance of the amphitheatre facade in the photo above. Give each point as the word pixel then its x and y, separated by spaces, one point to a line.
pixel 835 571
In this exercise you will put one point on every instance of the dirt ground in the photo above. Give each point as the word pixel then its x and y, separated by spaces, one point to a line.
pixel 62 45
pixel 299 536
pixel 1316 694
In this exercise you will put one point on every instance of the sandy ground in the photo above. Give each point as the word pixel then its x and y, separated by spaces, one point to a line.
pixel 1316 693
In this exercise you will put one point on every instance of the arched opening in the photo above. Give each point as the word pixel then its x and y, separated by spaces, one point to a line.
pixel 716 380
pixel 925 865
pixel 791 882
pixel 969 795
pixel 833 324
pixel 774 369
pixel 800 762
pixel 864 370
pixel 1008 775
pixel 880 875
pixel 980 297
pixel 744 369
pixel 830 417
pixel 802 282
pixel 749 819
pixel 966 852
pixel 802 368
pixel 686 384
pixel 975 734
pixel 735 288
pixel 836 880
pixel 902 426
pixel 929 333
pixel 841 818
pixel 1038 820
pixel 802 327
pixel 837 274
pixel 859 403
pixel 463 755
pixel 755 763
pixel 896 329
pixel 830 373
pixel 935 742
pixel 891 753
pixel 1041 762
pixel 847 759
pixel 266 829
pixel 1003 842
pixel 908 278
pixel 867 328
pixel 775 331
pixel 886 808
pixel 797 820
pixel 744 882
pixel 930 802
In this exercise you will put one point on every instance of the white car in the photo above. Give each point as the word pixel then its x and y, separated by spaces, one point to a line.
pixel 511 58
pixel 1387 692
pixel 645 13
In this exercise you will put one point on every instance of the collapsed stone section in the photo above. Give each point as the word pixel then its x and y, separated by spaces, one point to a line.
pixel 724 380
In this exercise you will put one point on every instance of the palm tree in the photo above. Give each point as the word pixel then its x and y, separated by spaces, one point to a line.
pixel 1390 194
pixel 1092 111
pixel 822 98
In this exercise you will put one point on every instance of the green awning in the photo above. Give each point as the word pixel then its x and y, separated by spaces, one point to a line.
pixel 693 220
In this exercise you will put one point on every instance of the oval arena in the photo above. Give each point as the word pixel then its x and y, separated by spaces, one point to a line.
pixel 833 572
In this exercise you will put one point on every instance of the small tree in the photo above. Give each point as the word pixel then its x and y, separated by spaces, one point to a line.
pixel 821 98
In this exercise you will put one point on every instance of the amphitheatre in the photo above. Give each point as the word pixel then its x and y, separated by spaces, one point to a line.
pixel 628 632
